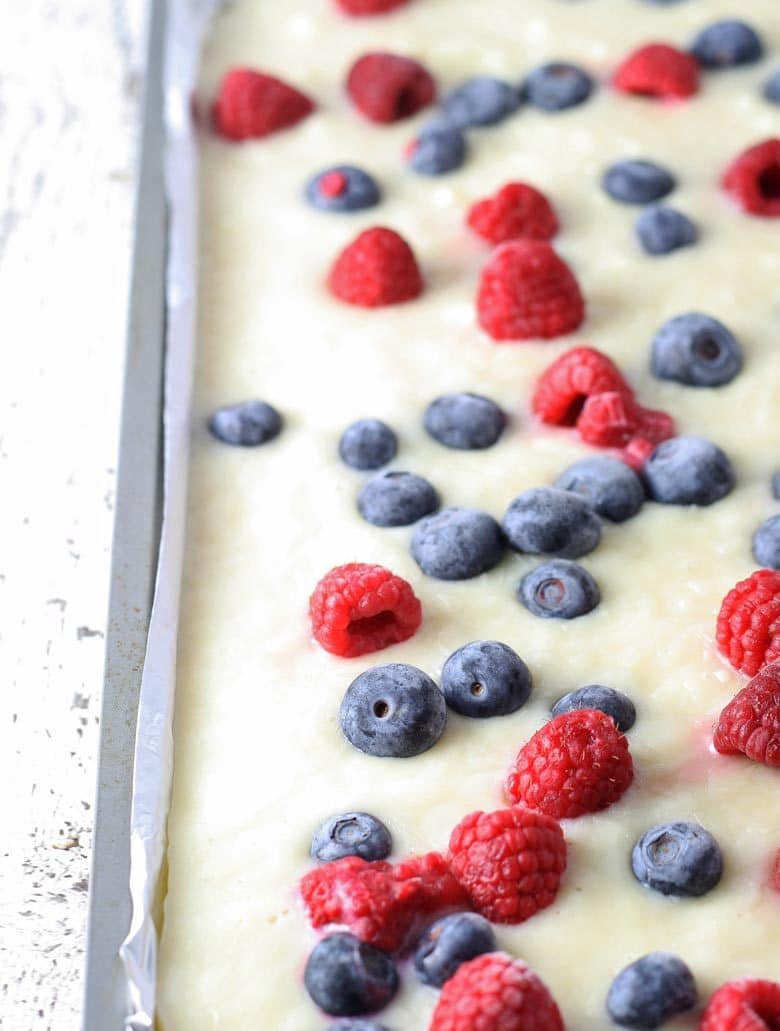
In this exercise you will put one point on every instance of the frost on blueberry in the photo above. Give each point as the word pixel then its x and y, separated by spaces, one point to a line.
pixel 605 699
pixel 637 182
pixel 557 86
pixel 681 859
pixel 548 521
pixel 457 544
pixel 559 590
pixel 480 101
pixel 368 444
pixel 726 44
pixel 247 424
pixel 450 942
pixel 485 678
pixel 650 991
pixel 439 148
pixel 351 834
pixel 346 977
pixel 397 499
pixel 609 486
pixel 343 188
pixel 464 421
pixel 766 543
pixel 696 350
pixel 688 471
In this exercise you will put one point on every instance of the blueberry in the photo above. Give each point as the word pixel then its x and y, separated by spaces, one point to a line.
pixel 438 149
pixel 357 1025
pixel 450 942
pixel 246 424
pixel 697 350
pixel 679 859
pixel 766 543
pixel 483 100
pixel 457 543
pixel 559 590
pixel 637 182
pixel 548 521
pixel 650 991
pixel 343 188
pixel 485 678
pixel 605 699
pixel 346 977
pixel 688 471
pixel 608 485
pixel 393 709
pixel 727 43
pixel 464 421
pixel 368 444
pixel 771 90
pixel 397 499
pixel 776 485
pixel 556 86
pixel 351 834
pixel 661 230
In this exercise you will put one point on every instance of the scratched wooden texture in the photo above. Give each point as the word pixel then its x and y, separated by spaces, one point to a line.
pixel 70 79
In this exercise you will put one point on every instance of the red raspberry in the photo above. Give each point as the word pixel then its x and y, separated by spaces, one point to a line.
pixel 388 87
pixel 361 8
pixel 745 1005
pixel 636 452
pixel 495 993
pixel 251 105
pixel 658 70
pixel 517 211
pixel 748 629
pixel 655 426
pixel 565 386
pixel 526 292
pixel 753 179
pixel 377 268
pixel 577 763
pixel 510 862
pixel 360 608
pixel 609 419
pixel 750 723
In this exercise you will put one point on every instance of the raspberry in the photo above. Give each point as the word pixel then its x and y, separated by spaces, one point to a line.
pixel 748 629
pixel 510 862
pixel 565 386
pixel 495 993
pixel 609 419
pixel 251 105
pixel 577 763
pixel 526 291
pixel 750 723
pixel 636 452
pixel 745 1005
pixel 658 70
pixel 655 426
pixel 360 608
pixel 517 211
pixel 387 87
pixel 362 8
pixel 753 179
pixel 377 268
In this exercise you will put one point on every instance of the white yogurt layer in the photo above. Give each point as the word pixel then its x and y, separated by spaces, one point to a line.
pixel 260 759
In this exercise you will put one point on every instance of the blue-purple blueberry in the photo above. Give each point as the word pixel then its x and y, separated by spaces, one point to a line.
pixel 397 499
pixel 606 699
pixel 450 942
pixel 439 148
pixel 347 978
pixel 609 486
pixel 766 543
pixel 485 678
pixel 368 444
pixel 680 859
pixel 247 424
pixel 688 471
pixel 343 188
pixel 483 100
pixel 661 230
pixel 557 85
pixel 351 834
pixel 559 590
pixel 728 43
pixel 650 991
pixel 637 181
pixel 464 421
pixel 696 350
pixel 548 521
pixel 457 544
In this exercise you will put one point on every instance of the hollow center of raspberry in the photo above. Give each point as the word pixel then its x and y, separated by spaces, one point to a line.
pixel 370 626
pixel 477 689
pixel 333 184
pixel 573 412
pixel 550 593
pixel 707 348
pixel 769 183
pixel 405 103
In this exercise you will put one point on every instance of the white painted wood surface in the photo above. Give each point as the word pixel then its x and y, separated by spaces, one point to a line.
pixel 70 78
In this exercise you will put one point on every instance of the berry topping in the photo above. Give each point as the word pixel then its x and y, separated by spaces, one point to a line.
pixel 376 269
pixel 559 589
pixel 480 101
pixel 661 230
pixel 609 419
pixel 360 608
pixel 745 1005
pixel 457 543
pixel 495 993
pixel 637 181
pixel 516 212
pixel 606 699
pixel 510 862
pixel 608 485
pixel 466 422
pixel 557 86
pixel 438 149
pixel 393 710
pixel 485 678
pixel 725 44
pixel 246 424
pixel 577 763
pixel 566 385
pixel 679 859
pixel 397 499
pixel 343 188
pixel 547 521
pixel 771 90
pixel 251 105
pixel 364 8
pixel 766 543
pixel 351 834
pixel 748 631
pixel 450 942
pixel 750 723
pixel 368 444
pixel 387 87
pixel 688 471
pixel 650 991
pixel 658 70
pixel 696 350
pixel 526 291
pixel 345 977
pixel 753 179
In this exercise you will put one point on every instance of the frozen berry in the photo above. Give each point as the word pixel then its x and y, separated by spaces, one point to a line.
pixel 547 521
pixel 516 212
pixel 457 544
pixel 388 87
pixel 483 100
pixel 559 589
pixel 658 70
pixel 346 977
pixel 681 859
pixel 466 422
pixel 363 8
pixel 368 444
pixel 753 179
pixel 661 230
pixel 377 268
pixel 397 499
pixel 605 699
pixel 343 188
pixel 450 942
pixel 351 834
pixel 748 1004
pixel 771 90
pixel 565 385
pixel 697 350
pixel 557 86
pixel 688 471
pixel 725 44
pixel 393 710
pixel 252 105
pixel 247 424
pixel 766 543
pixel 608 485
pixel 650 991
pixel 748 628
pixel 485 678
pixel 750 723
pixel 439 148
pixel 637 181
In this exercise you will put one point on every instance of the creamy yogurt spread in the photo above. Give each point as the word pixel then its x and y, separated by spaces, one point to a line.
pixel 260 760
